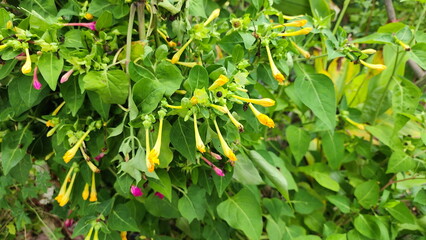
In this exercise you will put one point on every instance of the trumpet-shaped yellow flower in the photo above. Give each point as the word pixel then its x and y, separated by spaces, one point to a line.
pixel 226 149
pixel 275 72
pixel 264 102
pixel 368 51
pixel 3 47
pixel 302 51
pixel 173 106
pixel 212 16
pixel 71 152
pixel 185 64
pixel 297 23
pixel 92 166
pixel 123 235
pixel 93 193
pixel 220 81
pixel 148 163
pixel 155 151
pixel 403 45
pixel 263 119
pixel 177 55
pixel 63 189
pixel 303 31
pixel 198 141
pixel 164 36
pixel 234 121
pixel 65 199
pixel 89 234
pixel 26 68
pixel 85 193
pixel 379 67
pixel 96 235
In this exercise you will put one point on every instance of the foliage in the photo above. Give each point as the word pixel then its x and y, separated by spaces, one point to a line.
pixel 210 120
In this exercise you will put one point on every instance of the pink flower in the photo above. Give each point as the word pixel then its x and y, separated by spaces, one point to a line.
pixel 137 192
pixel 216 156
pixel 218 171
pixel 90 25
pixel 67 75
pixel 36 83
pixel 68 222
pixel 159 195
pixel 100 156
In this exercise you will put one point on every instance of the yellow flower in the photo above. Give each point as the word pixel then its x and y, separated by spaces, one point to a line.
pixel 9 24
pixel 220 81
pixel 85 193
pixel 291 17
pixel 96 236
pixel 89 234
pixel 123 235
pixel 3 47
pixel 93 193
pixel 155 152
pixel 177 55
pixel 275 72
pixel 174 107
pixel 302 31
pixel 149 165
pixel 88 16
pixel 368 51
pixel 92 166
pixel 26 68
pixel 379 67
pixel 302 51
pixel 198 141
pixel 164 36
pixel 234 121
pixel 404 45
pixel 263 119
pixel 71 152
pixel 57 109
pixel 64 185
pixel 212 16
pixel 298 23
pixel 264 102
pixel 226 149
pixel 64 200
pixel 49 123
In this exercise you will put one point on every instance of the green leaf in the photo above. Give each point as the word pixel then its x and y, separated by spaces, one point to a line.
pixel 50 68
pixel 183 139
pixel 378 101
pixel 147 93
pixel 275 229
pixel 405 96
pixel 299 141
pixel 122 185
pixel 198 78
pixel 216 231
pixel 21 171
pixel 44 8
pixel 73 98
pixel 162 207
pixel 193 204
pixel 316 91
pixel 121 219
pixel 242 212
pixel 379 38
pixel 401 213
pixel 418 54
pixel 99 106
pixel 14 148
pixel 400 161
pixel 277 208
pixel 306 203
pixel 371 227
pixel 272 173
pixel 367 193
pixel 73 39
pixel 333 145
pixel 245 172
pixel 320 9
pixel 197 8
pixel 341 202
pixel 169 77
pixel 104 21
pixel 222 183
pixel 162 184
pixel 112 85
pixel 321 173
pixel 7 68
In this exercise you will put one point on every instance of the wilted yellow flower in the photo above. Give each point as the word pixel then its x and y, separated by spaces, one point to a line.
pixel 264 102
pixel 66 197
pixel 71 152
pixel 155 151
pixel 26 68
pixel 302 51
pixel 220 81
pixel 226 149
pixel 212 16
pixel 379 67
pixel 93 193
pixel 263 119
pixel 177 55
pixel 275 72
pixel 92 166
pixel 148 163
pixel 85 193
pixel 198 141
pixel 303 31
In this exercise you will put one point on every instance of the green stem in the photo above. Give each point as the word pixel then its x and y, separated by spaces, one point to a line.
pixel 141 20
pixel 420 21
pixel 342 13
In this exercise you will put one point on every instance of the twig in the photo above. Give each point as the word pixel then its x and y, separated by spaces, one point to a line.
pixel 390 10
pixel 342 13
pixel 391 181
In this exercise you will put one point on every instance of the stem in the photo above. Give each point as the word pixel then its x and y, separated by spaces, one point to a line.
pixel 154 19
pixel 390 11
pixel 342 13
pixel 420 21
pixel 391 181
pixel 128 54
pixel 141 19
pixel 41 220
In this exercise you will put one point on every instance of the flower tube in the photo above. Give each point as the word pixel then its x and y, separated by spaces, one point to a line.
pixel 93 193
pixel 135 191
pixel 36 83
pixel 89 25
pixel 85 193
pixel 263 119
pixel 234 121
pixel 177 55
pixel 379 67
pixel 264 102
pixel 71 152
pixel 66 76
pixel 275 72
pixel 297 23
pixel 26 68
pixel 63 189
pixel 302 51
pixel 226 149
pixel 220 81
pixel 65 199
pixel 155 151
pixel 212 16
pixel 198 141
pixel 148 163
pixel 302 31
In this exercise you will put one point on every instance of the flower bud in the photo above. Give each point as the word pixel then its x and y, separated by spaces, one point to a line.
pixel 137 192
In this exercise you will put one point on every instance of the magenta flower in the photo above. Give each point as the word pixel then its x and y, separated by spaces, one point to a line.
pixel 90 25
pixel 67 75
pixel 218 171
pixel 159 195
pixel 137 192
pixel 100 156
pixel 68 222
pixel 36 83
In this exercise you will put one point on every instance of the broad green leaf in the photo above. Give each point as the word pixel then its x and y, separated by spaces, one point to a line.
pixel 333 145
pixel 277 208
pixel 169 76
pixel 405 96
pixel 418 54
pixel 371 227
pixel 221 183
pixel 112 85
pixel 337 236
pixel 242 212
pixel 83 226
pixel 50 68
pixel 23 96
pixel 138 72
pixel 305 203
pixel 193 204
pixel 367 193
pixel 104 21
pixel 341 202
pixel 378 101
pixel 401 213
pixel 245 172
pixel 321 173
pixel 379 38
pixel 44 8
pixel 73 39
pixel 217 230
pixel 7 68
pixel 183 139
pixel 197 8
pixel 315 221
pixel 299 141
pixel 14 148
pixel 99 106
pixel 400 161
pixel 320 9
pixel 317 92
pixel 122 185
pixel 21 171
pixel 198 78
pixel 271 172
pixel 121 219
pixel 163 184
pixel 162 207
pixel 274 229
pixel 73 97
pixel 147 93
